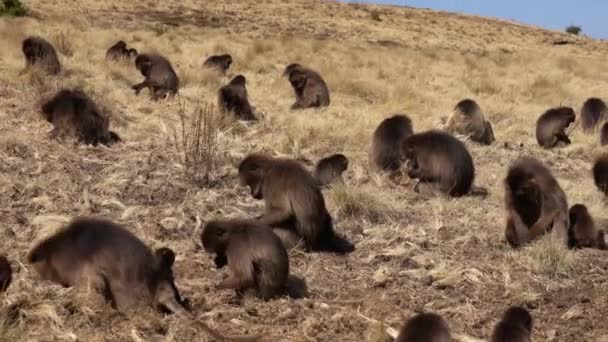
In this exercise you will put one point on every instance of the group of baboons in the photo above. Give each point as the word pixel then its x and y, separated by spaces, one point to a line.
pixel 126 272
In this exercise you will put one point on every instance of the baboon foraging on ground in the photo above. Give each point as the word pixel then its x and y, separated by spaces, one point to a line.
pixel 233 98
pixel 604 134
pixel 440 161
pixel 535 203
pixel 293 201
pixel 600 173
pixel 39 52
pixel 551 127
pixel 425 327
pixel 582 231
pixel 256 257
pixel 220 62
pixel 329 170
pixel 468 119
pixel 385 153
pixel 515 326
pixel 593 112
pixel 309 87
pixel 73 113
pixel 6 273
pixel 161 79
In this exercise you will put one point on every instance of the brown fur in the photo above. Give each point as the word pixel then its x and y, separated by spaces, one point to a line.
pixel 309 87
pixel 425 327
pixel 219 62
pixel 39 52
pixel 593 112
pixel 385 154
pixel 6 273
pixel 600 173
pixel 117 51
pixel 535 203
pixel 604 134
pixel 468 119
pixel 233 98
pixel 582 231
pixel 551 127
pixel 161 79
pixel 73 113
pixel 515 326
pixel 293 201
pixel 256 257
pixel 329 169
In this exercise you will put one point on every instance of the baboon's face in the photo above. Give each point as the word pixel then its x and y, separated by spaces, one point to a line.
pixel 297 80
pixel 144 65
pixel 522 184
pixel 215 238
pixel 29 49
pixel 227 62
pixel 252 175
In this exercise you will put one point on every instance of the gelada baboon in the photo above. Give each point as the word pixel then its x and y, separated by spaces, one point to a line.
pixel 441 162
pixel 293 201
pixel 600 173
pixel 385 154
pixel 468 119
pixel 117 51
pixel 309 87
pixel 329 169
pixel 6 273
pixel 582 231
pixel 515 326
pixel 425 327
pixel 39 52
pixel 233 98
pixel 535 203
pixel 73 113
pixel 256 257
pixel 551 127
pixel 604 134
pixel 132 53
pixel 593 112
pixel 220 62
pixel 161 79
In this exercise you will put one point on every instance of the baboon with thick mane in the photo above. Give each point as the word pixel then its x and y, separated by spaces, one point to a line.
pixel 551 126
pixel 73 113
pixel 293 201
pixel 220 62
pixel 39 52
pixel 233 98
pixel 582 231
pixel 329 169
pixel 600 173
pixel 309 87
pixel 593 112
pixel 385 153
pixel 161 79
pixel 535 203
pixel 468 119
pixel 427 327
pixel 6 273
pixel 515 326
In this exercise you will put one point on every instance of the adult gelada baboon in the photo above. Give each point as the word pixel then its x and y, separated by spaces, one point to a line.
pixel 6 273
pixel 593 112
pixel 256 257
pixel 329 169
pixel 309 87
pixel 425 327
pixel 385 154
pixel 515 326
pixel 293 201
pixel 604 134
pixel 600 173
pixel 75 114
pixel 535 203
pixel 233 98
pixel 468 119
pixel 117 51
pixel 161 79
pixel 219 62
pixel 582 231
pixel 551 126
pixel 40 53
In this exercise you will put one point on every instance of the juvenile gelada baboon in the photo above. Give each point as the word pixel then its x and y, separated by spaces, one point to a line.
pixel 6 273
pixel 293 200
pixel 219 62
pixel 593 112
pixel 309 87
pixel 119 51
pixel 233 98
pixel 385 154
pixel 161 79
pixel 425 327
pixel 515 326
pixel 600 173
pixel 535 203
pixel 551 127
pixel 329 169
pixel 468 119
pixel 441 162
pixel 582 231
pixel 40 53
pixel 73 113
pixel 257 259
pixel 604 134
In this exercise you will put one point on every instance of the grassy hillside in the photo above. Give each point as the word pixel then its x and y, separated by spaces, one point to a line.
pixel 413 252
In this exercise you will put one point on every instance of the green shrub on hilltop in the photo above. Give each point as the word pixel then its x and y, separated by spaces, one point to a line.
pixel 573 29
pixel 12 8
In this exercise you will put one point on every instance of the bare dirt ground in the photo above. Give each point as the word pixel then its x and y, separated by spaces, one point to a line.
pixel 413 252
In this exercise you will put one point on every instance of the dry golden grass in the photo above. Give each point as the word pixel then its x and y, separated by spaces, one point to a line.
pixel 413 252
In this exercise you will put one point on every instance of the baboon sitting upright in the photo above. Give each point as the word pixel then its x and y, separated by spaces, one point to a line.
pixel 233 98
pixel 161 79
pixel 220 62
pixel 309 87
pixel 551 127
pixel 39 52
pixel 468 119
pixel 593 112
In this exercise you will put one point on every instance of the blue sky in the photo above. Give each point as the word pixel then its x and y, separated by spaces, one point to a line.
pixel 591 15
